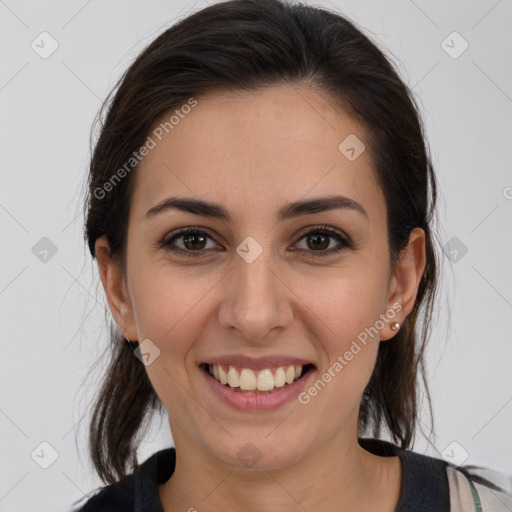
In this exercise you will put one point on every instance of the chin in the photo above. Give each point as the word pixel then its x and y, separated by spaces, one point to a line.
pixel 259 454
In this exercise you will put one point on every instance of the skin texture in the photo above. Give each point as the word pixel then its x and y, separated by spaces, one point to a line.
pixel 252 153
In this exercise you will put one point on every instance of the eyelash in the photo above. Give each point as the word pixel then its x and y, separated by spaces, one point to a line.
pixel 345 243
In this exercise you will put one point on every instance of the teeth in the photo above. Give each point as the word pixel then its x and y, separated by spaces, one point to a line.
pixel 248 380
pixel 290 374
pixel 233 378
pixel 279 378
pixel 265 380
pixel 222 374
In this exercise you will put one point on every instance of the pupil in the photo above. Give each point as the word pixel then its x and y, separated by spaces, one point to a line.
pixel 318 237
pixel 189 237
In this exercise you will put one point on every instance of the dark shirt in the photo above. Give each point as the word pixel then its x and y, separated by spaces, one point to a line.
pixel 425 486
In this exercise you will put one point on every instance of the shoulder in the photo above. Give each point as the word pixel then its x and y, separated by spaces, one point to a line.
pixel 137 491
pixel 467 488
pixel 430 483
pixel 424 483
pixel 113 497
pixel 480 489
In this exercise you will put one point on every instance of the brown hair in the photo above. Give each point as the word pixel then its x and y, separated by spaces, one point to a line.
pixel 246 45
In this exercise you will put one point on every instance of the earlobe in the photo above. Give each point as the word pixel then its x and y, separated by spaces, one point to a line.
pixel 405 282
pixel 113 280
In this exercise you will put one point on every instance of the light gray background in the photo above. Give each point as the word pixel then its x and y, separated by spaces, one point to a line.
pixel 52 320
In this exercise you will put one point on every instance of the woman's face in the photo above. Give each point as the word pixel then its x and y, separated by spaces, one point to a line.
pixel 257 285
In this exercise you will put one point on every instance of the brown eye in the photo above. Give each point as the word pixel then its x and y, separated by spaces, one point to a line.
pixel 319 239
pixel 196 241
pixel 193 242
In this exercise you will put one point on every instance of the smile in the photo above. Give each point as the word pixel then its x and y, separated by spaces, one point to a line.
pixel 256 385
pixel 264 380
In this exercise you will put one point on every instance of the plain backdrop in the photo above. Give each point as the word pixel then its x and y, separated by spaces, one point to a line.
pixel 52 309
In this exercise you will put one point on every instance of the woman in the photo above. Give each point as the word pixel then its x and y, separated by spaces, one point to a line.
pixel 261 201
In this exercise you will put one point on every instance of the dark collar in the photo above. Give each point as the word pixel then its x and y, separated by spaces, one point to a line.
pixel 424 481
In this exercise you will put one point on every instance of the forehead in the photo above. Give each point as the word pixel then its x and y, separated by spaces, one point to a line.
pixel 251 150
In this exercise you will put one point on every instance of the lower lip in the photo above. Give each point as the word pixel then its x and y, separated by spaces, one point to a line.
pixel 244 401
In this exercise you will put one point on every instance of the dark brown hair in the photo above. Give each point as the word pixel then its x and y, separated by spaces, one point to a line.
pixel 245 45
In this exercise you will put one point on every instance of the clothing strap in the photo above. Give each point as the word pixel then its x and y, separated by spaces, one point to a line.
pixel 463 493
pixel 476 497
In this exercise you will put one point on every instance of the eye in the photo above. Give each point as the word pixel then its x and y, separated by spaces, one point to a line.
pixel 319 240
pixel 194 240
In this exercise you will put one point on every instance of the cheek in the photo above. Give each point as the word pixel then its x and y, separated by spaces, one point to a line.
pixel 168 308
pixel 343 312
pixel 172 307
pixel 345 303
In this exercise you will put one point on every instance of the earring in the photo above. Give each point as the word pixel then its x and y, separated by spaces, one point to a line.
pixel 395 326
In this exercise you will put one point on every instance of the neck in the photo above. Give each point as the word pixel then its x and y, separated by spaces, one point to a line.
pixel 338 476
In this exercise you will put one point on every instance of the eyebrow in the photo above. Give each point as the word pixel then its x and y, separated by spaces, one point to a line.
pixel 288 211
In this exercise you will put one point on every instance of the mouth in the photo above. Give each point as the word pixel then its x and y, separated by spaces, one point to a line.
pixel 257 381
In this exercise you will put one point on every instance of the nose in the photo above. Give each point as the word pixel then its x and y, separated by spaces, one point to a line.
pixel 256 300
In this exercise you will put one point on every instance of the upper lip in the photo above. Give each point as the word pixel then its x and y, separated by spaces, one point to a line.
pixel 257 363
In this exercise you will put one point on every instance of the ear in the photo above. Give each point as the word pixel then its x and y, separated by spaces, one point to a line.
pixel 114 284
pixel 404 282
